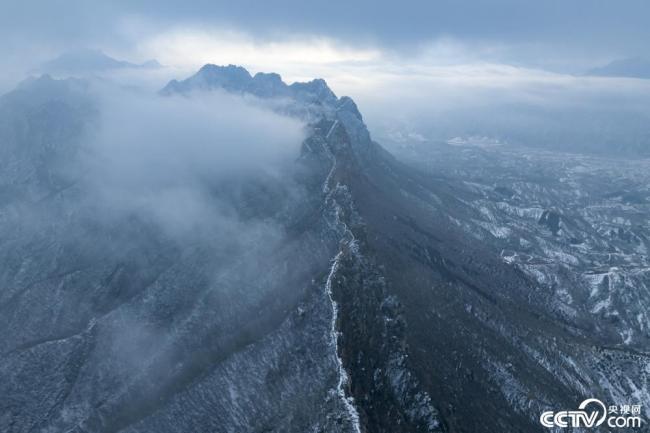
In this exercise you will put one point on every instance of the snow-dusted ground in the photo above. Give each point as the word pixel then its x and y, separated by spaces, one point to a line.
pixel 591 269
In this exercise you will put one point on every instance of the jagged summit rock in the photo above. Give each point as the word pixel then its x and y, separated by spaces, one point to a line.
pixel 347 104
pixel 237 79
pixel 312 101
pixel 316 89
pixel 269 85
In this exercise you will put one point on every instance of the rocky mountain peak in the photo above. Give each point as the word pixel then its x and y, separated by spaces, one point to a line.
pixel 237 79
pixel 313 101
pixel 269 85
pixel 225 75
pixel 348 105
pixel 315 89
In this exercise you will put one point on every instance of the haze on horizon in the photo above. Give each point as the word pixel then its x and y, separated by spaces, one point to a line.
pixel 445 64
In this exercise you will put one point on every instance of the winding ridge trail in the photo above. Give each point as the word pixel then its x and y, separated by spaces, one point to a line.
pixel 344 378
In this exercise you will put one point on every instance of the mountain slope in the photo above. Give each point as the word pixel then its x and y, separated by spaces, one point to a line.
pixel 474 335
pixel 114 325
pixel 355 293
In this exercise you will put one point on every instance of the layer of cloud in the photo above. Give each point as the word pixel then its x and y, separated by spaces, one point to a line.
pixel 554 34
pixel 581 23
pixel 197 47
pixel 161 158
pixel 433 69
pixel 508 104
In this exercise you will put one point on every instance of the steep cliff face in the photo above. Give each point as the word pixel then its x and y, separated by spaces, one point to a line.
pixel 353 293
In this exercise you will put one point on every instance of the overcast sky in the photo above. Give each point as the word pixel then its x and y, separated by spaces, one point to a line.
pixel 431 56
pixel 554 34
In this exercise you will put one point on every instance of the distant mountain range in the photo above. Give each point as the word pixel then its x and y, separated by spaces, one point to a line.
pixel 633 67
pixel 90 60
